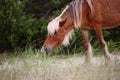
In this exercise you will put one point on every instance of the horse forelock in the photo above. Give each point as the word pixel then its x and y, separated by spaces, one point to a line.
pixel 54 24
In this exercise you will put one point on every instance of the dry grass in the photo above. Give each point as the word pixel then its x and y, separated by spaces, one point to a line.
pixel 56 67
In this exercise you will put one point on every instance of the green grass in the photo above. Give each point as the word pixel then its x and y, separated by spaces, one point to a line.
pixel 33 65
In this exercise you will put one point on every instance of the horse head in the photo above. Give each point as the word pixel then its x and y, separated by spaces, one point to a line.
pixel 59 31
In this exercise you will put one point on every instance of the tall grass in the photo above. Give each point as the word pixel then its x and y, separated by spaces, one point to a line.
pixel 34 65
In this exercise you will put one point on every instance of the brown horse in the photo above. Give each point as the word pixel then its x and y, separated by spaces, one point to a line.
pixel 86 15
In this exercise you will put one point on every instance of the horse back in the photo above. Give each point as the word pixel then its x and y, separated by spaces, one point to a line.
pixel 110 12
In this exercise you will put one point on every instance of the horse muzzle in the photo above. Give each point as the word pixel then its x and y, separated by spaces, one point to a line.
pixel 47 49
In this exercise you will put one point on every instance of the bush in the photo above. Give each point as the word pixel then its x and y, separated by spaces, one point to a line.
pixel 17 28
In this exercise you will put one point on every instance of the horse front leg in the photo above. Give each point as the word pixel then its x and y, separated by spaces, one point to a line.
pixel 102 42
pixel 87 46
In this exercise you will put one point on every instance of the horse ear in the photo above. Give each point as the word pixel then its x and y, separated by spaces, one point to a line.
pixel 62 22
pixel 50 18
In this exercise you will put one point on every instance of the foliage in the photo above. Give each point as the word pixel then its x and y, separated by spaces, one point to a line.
pixel 44 8
pixel 16 27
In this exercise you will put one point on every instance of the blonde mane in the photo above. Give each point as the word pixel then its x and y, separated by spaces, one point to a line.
pixel 76 10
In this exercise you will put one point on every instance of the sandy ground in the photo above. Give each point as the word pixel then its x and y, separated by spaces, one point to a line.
pixel 60 68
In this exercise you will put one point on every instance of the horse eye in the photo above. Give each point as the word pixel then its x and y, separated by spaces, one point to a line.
pixel 55 32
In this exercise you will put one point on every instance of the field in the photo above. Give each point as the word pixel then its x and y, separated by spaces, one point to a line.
pixel 37 66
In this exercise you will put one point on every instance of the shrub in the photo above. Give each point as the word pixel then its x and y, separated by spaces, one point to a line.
pixel 17 28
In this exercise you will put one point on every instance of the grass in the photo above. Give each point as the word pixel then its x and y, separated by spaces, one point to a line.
pixel 33 65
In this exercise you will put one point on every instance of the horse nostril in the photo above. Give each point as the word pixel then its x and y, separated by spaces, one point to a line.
pixel 48 49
